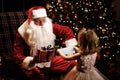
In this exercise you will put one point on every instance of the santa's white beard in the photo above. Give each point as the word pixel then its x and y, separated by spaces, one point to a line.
pixel 43 36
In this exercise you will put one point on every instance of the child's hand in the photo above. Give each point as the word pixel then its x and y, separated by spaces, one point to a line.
pixel 76 49
pixel 60 53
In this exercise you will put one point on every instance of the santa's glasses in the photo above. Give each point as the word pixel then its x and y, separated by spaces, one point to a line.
pixel 40 21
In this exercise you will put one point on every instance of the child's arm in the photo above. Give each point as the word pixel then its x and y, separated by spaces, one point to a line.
pixel 69 57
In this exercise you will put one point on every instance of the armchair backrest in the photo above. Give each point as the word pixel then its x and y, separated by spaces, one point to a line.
pixel 9 22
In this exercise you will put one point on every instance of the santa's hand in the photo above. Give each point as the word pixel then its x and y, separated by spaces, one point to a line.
pixel 28 63
pixel 31 65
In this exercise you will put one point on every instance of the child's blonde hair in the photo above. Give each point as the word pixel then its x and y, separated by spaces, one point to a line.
pixel 88 41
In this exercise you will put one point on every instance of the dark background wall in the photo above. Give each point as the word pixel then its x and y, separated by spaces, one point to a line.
pixel 116 8
pixel 18 5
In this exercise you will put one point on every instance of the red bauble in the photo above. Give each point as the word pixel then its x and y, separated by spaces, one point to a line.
pixel 65 6
pixel 95 10
pixel 53 17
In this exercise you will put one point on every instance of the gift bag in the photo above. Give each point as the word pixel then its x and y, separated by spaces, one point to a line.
pixel 44 56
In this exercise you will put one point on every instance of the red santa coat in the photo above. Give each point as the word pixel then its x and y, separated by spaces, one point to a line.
pixel 22 50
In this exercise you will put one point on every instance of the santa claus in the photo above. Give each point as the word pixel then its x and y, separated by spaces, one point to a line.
pixel 35 41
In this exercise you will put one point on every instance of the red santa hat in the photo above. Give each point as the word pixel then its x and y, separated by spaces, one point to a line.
pixel 36 12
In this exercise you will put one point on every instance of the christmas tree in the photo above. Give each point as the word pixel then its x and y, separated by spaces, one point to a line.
pixel 93 14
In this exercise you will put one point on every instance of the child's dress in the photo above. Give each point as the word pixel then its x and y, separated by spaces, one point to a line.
pixel 85 69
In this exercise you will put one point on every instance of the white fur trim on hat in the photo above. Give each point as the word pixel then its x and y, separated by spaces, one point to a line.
pixel 71 42
pixel 39 13
pixel 26 62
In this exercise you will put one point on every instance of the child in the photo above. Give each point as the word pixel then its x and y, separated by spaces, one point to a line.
pixel 86 53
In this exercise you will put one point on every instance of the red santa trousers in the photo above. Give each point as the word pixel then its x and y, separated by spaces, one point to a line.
pixel 59 64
